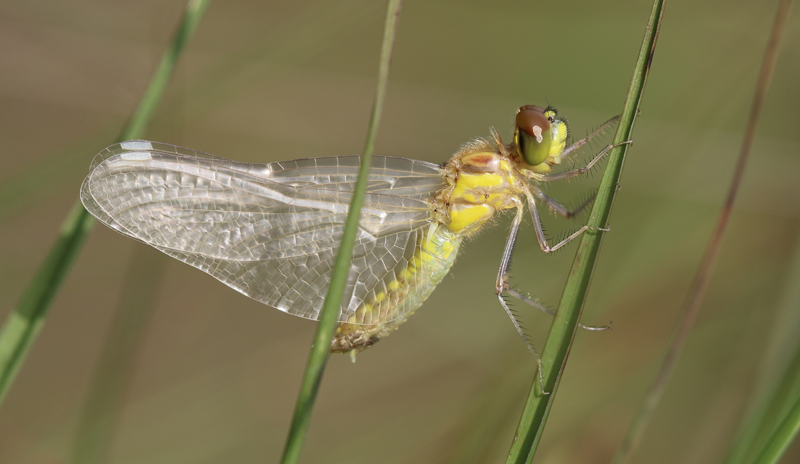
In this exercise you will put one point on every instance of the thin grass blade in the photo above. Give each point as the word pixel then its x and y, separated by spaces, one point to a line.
pixel 330 311
pixel 783 436
pixel 562 332
pixel 23 324
pixel 761 430
pixel 701 280
pixel 779 377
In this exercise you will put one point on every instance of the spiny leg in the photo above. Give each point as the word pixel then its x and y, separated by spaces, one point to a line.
pixel 503 278
pixel 537 227
pixel 579 171
pixel 558 207
pixel 537 223
pixel 570 149
pixel 527 299
pixel 502 284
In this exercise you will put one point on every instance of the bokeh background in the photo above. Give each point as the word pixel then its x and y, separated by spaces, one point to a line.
pixel 215 375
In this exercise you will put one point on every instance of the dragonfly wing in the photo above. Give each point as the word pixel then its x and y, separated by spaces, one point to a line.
pixel 388 175
pixel 269 231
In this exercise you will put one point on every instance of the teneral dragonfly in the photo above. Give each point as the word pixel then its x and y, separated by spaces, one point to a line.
pixel 271 231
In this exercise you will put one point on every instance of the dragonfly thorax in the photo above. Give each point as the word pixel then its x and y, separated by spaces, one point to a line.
pixel 483 183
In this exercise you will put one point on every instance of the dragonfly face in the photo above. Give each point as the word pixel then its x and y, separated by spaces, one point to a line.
pixel 271 231
pixel 540 137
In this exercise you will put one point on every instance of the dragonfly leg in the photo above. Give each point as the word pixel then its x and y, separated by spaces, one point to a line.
pixel 571 149
pixel 527 299
pixel 579 171
pixel 501 285
pixel 558 207
pixel 537 227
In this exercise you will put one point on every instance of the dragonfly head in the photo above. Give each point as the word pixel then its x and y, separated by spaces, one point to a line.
pixel 540 135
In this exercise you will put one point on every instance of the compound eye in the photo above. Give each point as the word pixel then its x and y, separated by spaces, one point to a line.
pixel 532 134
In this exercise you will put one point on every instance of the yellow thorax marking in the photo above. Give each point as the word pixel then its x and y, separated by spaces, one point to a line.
pixel 468 183
pixel 465 217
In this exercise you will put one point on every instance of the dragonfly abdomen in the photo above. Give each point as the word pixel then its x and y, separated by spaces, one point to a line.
pixel 480 181
pixel 434 254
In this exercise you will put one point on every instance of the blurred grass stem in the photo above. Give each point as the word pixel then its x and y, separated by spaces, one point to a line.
pixel 701 280
pixel 26 320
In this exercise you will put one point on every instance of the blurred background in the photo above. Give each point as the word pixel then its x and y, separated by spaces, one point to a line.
pixel 215 375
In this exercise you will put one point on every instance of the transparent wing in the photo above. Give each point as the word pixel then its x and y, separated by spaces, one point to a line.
pixel 270 231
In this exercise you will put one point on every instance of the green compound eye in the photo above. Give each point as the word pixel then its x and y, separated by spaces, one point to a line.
pixel 532 136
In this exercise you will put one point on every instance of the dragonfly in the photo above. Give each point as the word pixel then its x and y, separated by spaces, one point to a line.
pixel 272 231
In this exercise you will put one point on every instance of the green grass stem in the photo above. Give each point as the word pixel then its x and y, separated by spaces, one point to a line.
pixel 783 436
pixel 333 300
pixel 779 376
pixel 23 324
pixel 562 332
pixel 766 421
